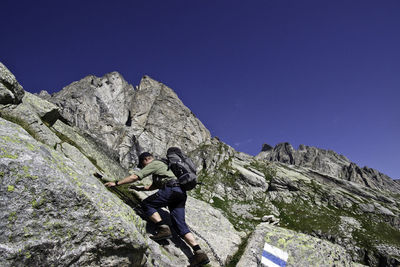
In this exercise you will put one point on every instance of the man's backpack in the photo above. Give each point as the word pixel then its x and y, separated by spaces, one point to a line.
pixel 183 168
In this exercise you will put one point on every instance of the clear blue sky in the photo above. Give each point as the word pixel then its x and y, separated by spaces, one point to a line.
pixel 319 73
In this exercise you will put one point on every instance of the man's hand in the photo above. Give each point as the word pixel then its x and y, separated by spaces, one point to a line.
pixel 110 184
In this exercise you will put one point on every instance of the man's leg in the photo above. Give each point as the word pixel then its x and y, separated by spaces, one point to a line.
pixel 189 238
pixel 177 211
pixel 150 206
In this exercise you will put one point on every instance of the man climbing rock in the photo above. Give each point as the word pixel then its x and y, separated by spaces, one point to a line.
pixel 169 195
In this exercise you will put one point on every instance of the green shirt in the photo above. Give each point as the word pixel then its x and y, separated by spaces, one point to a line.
pixel 160 172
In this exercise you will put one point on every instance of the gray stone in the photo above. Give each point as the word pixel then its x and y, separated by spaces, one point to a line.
pixel 250 176
pixel 270 219
pixel 213 230
pixel 383 210
pixel 367 207
pixel 47 111
pixel 11 92
pixel 348 225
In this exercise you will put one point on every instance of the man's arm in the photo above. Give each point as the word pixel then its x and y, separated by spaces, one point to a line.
pixel 146 171
pixel 130 179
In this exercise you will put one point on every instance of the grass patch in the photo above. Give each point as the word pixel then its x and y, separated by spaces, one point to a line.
pixel 375 232
pixel 238 255
pixel 300 216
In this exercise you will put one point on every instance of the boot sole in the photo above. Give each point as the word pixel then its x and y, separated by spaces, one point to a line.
pixel 201 263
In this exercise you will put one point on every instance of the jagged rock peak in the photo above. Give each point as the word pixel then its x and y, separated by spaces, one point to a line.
pixel 328 162
pixel 284 152
pixel 94 97
pixel 154 88
pixel 111 83
pixel 11 92
pixel 147 81
pixel 266 147
pixel 165 120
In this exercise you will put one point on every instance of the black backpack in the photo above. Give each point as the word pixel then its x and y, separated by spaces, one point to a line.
pixel 183 168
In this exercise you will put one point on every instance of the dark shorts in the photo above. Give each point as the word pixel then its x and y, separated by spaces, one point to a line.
pixel 175 199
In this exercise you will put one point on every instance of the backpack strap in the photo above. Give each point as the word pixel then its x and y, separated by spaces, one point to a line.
pixel 166 162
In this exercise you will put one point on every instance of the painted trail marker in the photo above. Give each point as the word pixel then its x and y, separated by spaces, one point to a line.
pixel 273 256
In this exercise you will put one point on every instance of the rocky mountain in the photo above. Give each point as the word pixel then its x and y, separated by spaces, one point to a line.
pixel 313 206
pixel 128 120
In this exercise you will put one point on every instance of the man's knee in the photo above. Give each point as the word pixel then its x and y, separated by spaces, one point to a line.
pixel 148 209
pixel 183 232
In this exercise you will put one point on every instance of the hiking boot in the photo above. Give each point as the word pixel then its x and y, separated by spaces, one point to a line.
pixel 200 258
pixel 163 233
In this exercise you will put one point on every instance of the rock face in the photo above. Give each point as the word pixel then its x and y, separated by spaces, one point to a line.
pixel 127 120
pixel 11 92
pixel 327 162
pixel 55 212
